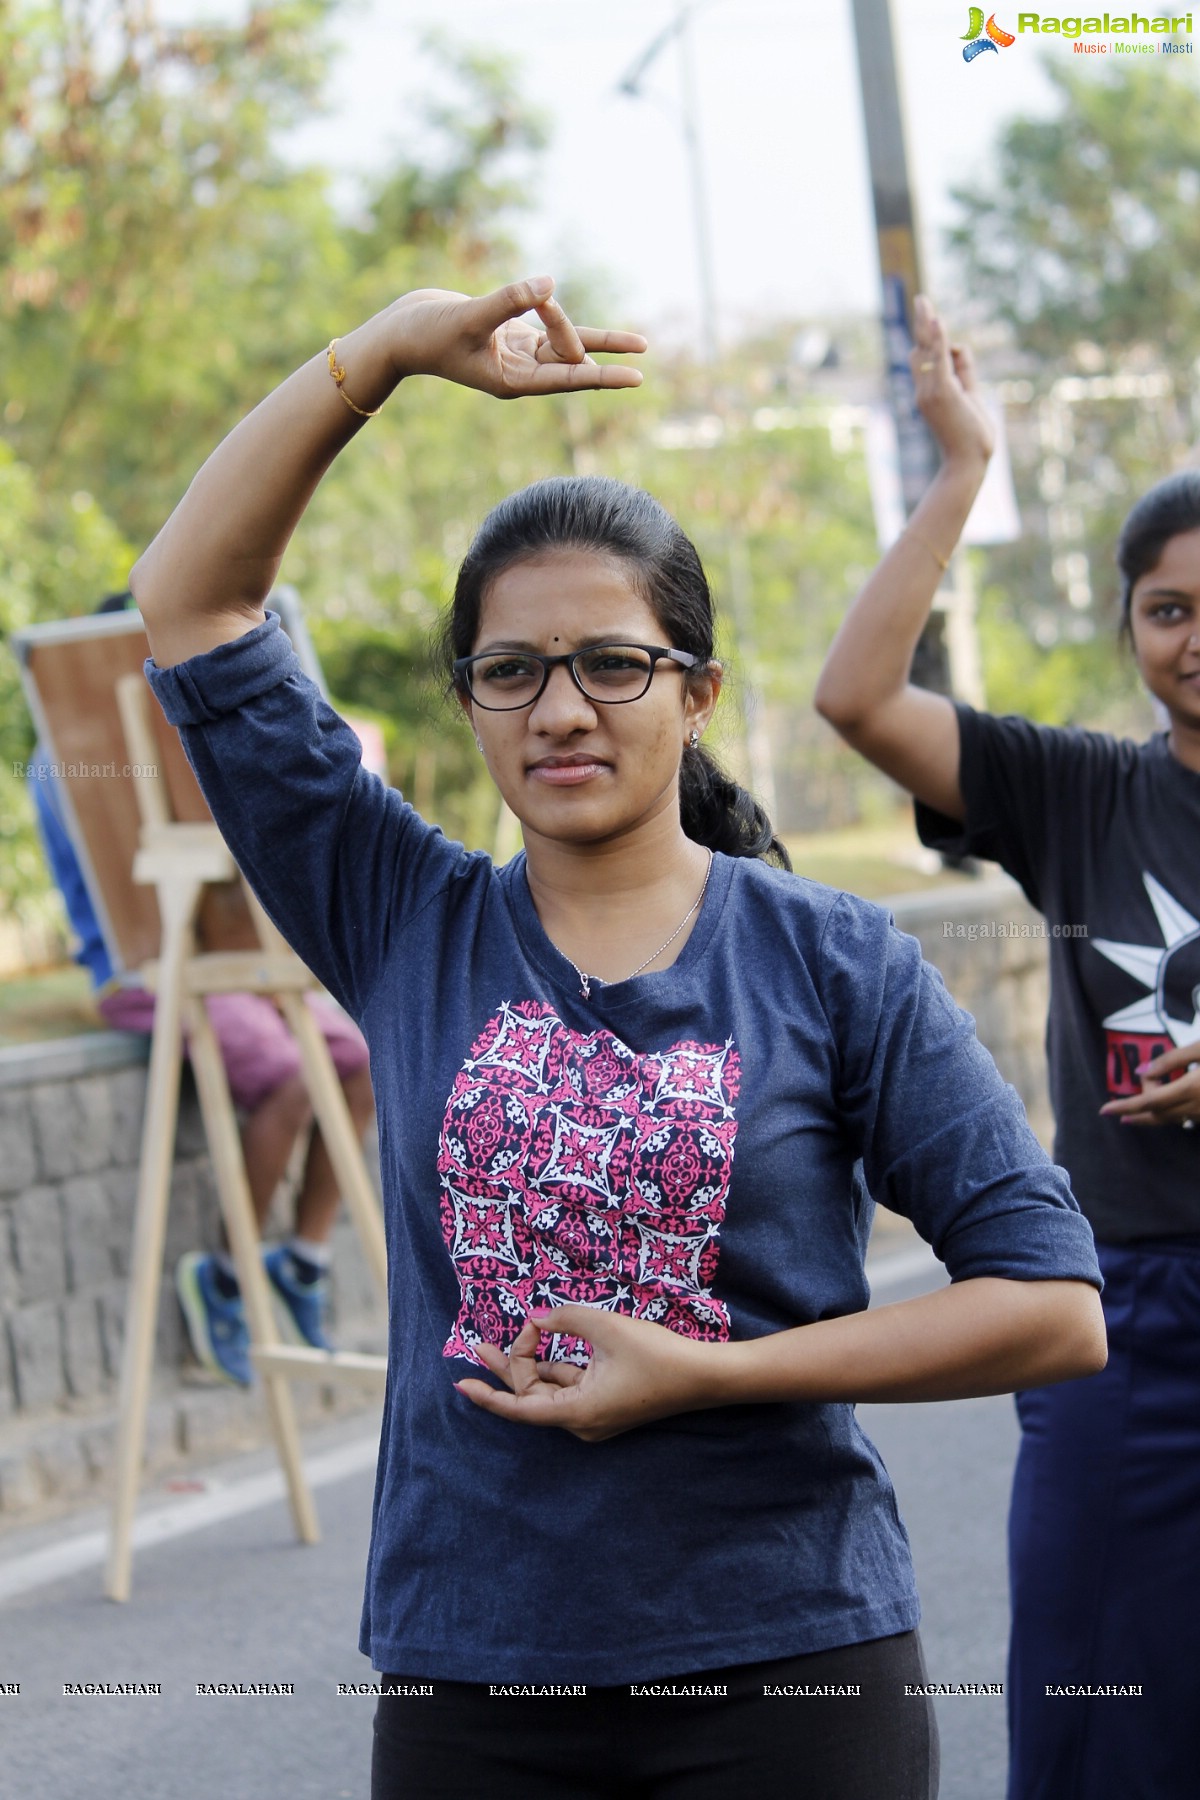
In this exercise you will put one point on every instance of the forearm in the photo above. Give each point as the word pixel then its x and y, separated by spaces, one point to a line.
pixel 984 1336
pixel 204 578
pixel 869 660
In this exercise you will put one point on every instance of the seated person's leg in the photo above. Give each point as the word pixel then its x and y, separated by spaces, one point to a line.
pixel 299 1268
pixel 262 1065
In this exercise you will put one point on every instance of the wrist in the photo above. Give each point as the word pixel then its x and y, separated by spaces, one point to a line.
pixel 963 469
pixel 747 1373
pixel 366 355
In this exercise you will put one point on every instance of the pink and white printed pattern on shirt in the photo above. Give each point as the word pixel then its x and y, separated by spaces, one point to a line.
pixel 574 1170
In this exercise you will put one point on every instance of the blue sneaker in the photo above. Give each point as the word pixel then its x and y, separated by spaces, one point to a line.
pixel 304 1302
pixel 216 1323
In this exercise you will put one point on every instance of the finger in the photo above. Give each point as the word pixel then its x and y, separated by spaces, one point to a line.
pixel 964 367
pixel 1154 1104
pixel 494 1358
pixel 490 311
pixel 561 378
pixel 1182 1057
pixel 924 318
pixel 562 335
pixel 1177 1115
pixel 560 1374
pixel 929 357
pixel 546 353
pixel 522 1358
pixel 573 1320
pixel 542 1407
pixel 615 343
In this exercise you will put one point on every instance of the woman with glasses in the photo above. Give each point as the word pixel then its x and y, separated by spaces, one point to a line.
pixel 636 1091
pixel 1102 836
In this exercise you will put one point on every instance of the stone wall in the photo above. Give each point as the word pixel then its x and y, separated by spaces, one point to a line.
pixel 70 1124
pixel 70 1131
pixel 987 941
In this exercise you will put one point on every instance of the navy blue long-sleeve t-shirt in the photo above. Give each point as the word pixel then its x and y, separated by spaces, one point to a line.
pixel 700 1146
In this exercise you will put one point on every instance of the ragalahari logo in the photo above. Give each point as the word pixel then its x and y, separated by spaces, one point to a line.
pixel 976 43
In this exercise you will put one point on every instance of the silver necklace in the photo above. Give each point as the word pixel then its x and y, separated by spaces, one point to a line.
pixel 585 981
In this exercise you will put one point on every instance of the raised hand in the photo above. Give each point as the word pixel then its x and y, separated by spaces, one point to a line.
pixel 204 579
pixel 638 1372
pixel 490 343
pixel 947 390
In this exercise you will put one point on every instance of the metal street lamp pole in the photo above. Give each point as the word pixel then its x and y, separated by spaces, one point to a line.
pixel 630 84
pixel 900 274
pixel 757 741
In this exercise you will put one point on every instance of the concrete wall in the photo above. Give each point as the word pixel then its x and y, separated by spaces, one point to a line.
pixel 70 1130
pixel 70 1123
pixel 987 941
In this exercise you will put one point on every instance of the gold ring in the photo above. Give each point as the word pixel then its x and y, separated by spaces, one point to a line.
pixel 925 367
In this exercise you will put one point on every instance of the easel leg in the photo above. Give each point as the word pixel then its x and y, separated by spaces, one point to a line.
pixel 337 1129
pixel 225 1147
pixel 150 1220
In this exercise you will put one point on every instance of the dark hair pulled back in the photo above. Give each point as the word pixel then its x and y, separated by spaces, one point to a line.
pixel 594 513
pixel 1171 507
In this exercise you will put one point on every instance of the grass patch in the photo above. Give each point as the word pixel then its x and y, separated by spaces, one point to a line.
pixel 875 861
pixel 47 1004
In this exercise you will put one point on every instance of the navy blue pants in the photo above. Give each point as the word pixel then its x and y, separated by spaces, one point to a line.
pixel 1104 1551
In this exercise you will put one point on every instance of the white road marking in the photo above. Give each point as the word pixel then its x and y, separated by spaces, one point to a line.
pixel 40 1567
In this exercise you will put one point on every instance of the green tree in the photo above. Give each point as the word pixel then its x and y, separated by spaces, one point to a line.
pixel 475 131
pixel 163 267
pixel 1089 226
pixel 160 263
pixel 1084 242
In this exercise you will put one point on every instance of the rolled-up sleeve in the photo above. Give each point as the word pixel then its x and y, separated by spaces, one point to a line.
pixel 338 859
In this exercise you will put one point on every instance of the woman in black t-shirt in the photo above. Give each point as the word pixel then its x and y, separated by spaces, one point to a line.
pixel 1102 836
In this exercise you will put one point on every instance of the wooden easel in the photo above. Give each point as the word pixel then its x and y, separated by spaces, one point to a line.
pixel 181 860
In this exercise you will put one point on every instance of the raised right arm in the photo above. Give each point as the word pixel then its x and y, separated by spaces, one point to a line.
pixel 864 689
pixel 204 579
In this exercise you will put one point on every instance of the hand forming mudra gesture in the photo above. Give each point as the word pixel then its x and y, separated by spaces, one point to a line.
pixel 1163 1100
pixel 490 343
pixel 947 389
pixel 638 1372
pixel 209 571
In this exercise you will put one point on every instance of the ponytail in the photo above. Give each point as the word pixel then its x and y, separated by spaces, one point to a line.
pixel 722 816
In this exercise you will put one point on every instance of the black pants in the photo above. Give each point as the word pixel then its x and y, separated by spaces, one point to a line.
pixel 466 1742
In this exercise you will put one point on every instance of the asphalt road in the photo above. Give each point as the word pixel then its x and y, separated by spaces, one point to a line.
pixel 237 1600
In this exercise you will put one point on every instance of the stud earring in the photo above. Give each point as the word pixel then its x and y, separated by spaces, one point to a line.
pixel 694 739
pixel 479 745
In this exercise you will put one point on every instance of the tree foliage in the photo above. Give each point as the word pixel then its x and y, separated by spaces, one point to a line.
pixel 162 266
pixel 1090 225
pixel 1084 243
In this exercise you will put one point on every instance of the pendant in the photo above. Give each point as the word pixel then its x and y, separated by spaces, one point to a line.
pixel 585 986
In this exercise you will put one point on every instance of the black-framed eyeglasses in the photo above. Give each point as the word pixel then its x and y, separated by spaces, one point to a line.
pixel 613 674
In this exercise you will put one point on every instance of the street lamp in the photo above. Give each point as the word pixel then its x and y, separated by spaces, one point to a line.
pixel 630 85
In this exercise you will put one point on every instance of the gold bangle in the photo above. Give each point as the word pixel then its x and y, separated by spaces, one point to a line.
pixel 941 561
pixel 338 372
